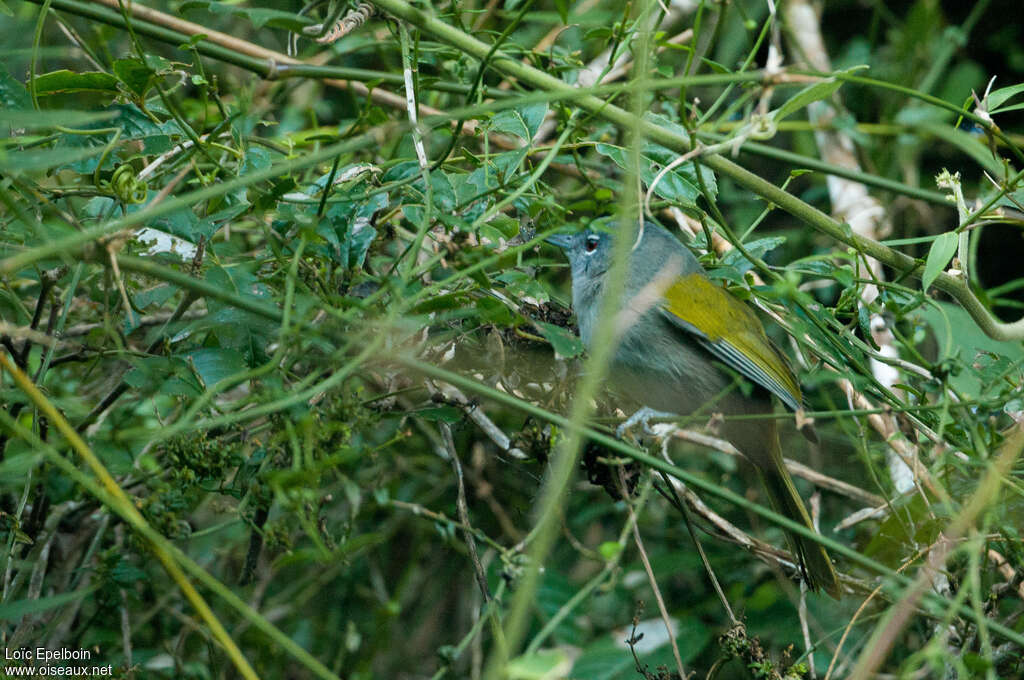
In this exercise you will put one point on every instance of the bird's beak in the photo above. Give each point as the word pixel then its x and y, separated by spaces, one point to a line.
pixel 563 241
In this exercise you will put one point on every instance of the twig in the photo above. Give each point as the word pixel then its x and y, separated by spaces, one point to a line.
pixel 252 554
pixel 805 630
pixel 409 68
pixel 681 507
pixel 623 68
pixel 899 445
pixel 60 627
pixel 126 632
pixel 111 245
pixel 477 415
pixel 1006 569
pixel 39 559
pixel 463 510
pixel 650 575
pixel 802 608
pixel 245 47
pixel 46 283
pixel 417 509
pixel 29 335
pixel 582 593
pixel 863 514
pixel 591 74
pixel 766 552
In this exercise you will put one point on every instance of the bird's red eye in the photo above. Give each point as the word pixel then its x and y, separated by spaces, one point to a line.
pixel 591 244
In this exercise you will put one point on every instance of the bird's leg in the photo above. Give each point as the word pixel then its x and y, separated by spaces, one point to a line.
pixel 644 417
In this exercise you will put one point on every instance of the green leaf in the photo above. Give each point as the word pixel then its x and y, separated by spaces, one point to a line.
pixel 12 611
pixel 492 311
pixel 757 249
pixel 16 467
pixel 43 159
pixel 135 74
pixel 33 120
pixel 678 186
pixel 163 375
pixel 133 124
pixel 13 94
pixel 184 223
pixel 70 81
pixel 603 660
pixel 807 96
pixel 507 226
pixel 955 332
pixel 608 658
pixel 553 593
pixel 523 122
pixel 156 295
pixel 1012 107
pixel 213 364
pixel 533 116
pixel 1003 94
pixel 357 243
pixel 545 664
pixel 522 285
pixel 562 7
pixel 442 190
pixel 256 159
pixel 864 321
pixel 235 328
pixel 941 252
pixel 490 237
pixel 125 573
pixel 564 343
pixel 971 144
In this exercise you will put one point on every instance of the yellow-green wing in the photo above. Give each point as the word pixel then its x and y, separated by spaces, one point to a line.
pixel 731 331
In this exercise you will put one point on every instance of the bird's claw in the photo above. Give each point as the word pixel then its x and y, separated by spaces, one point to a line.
pixel 643 417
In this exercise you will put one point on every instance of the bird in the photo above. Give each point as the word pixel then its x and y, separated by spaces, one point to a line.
pixel 681 340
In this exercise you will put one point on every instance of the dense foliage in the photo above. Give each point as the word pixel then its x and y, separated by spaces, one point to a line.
pixel 290 385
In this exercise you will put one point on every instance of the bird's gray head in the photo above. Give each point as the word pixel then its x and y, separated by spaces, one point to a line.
pixel 589 253
pixel 590 256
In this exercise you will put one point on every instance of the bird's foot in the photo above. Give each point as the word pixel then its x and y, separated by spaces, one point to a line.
pixel 643 417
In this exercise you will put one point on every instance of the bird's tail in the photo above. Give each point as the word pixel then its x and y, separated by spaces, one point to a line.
pixel 814 561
